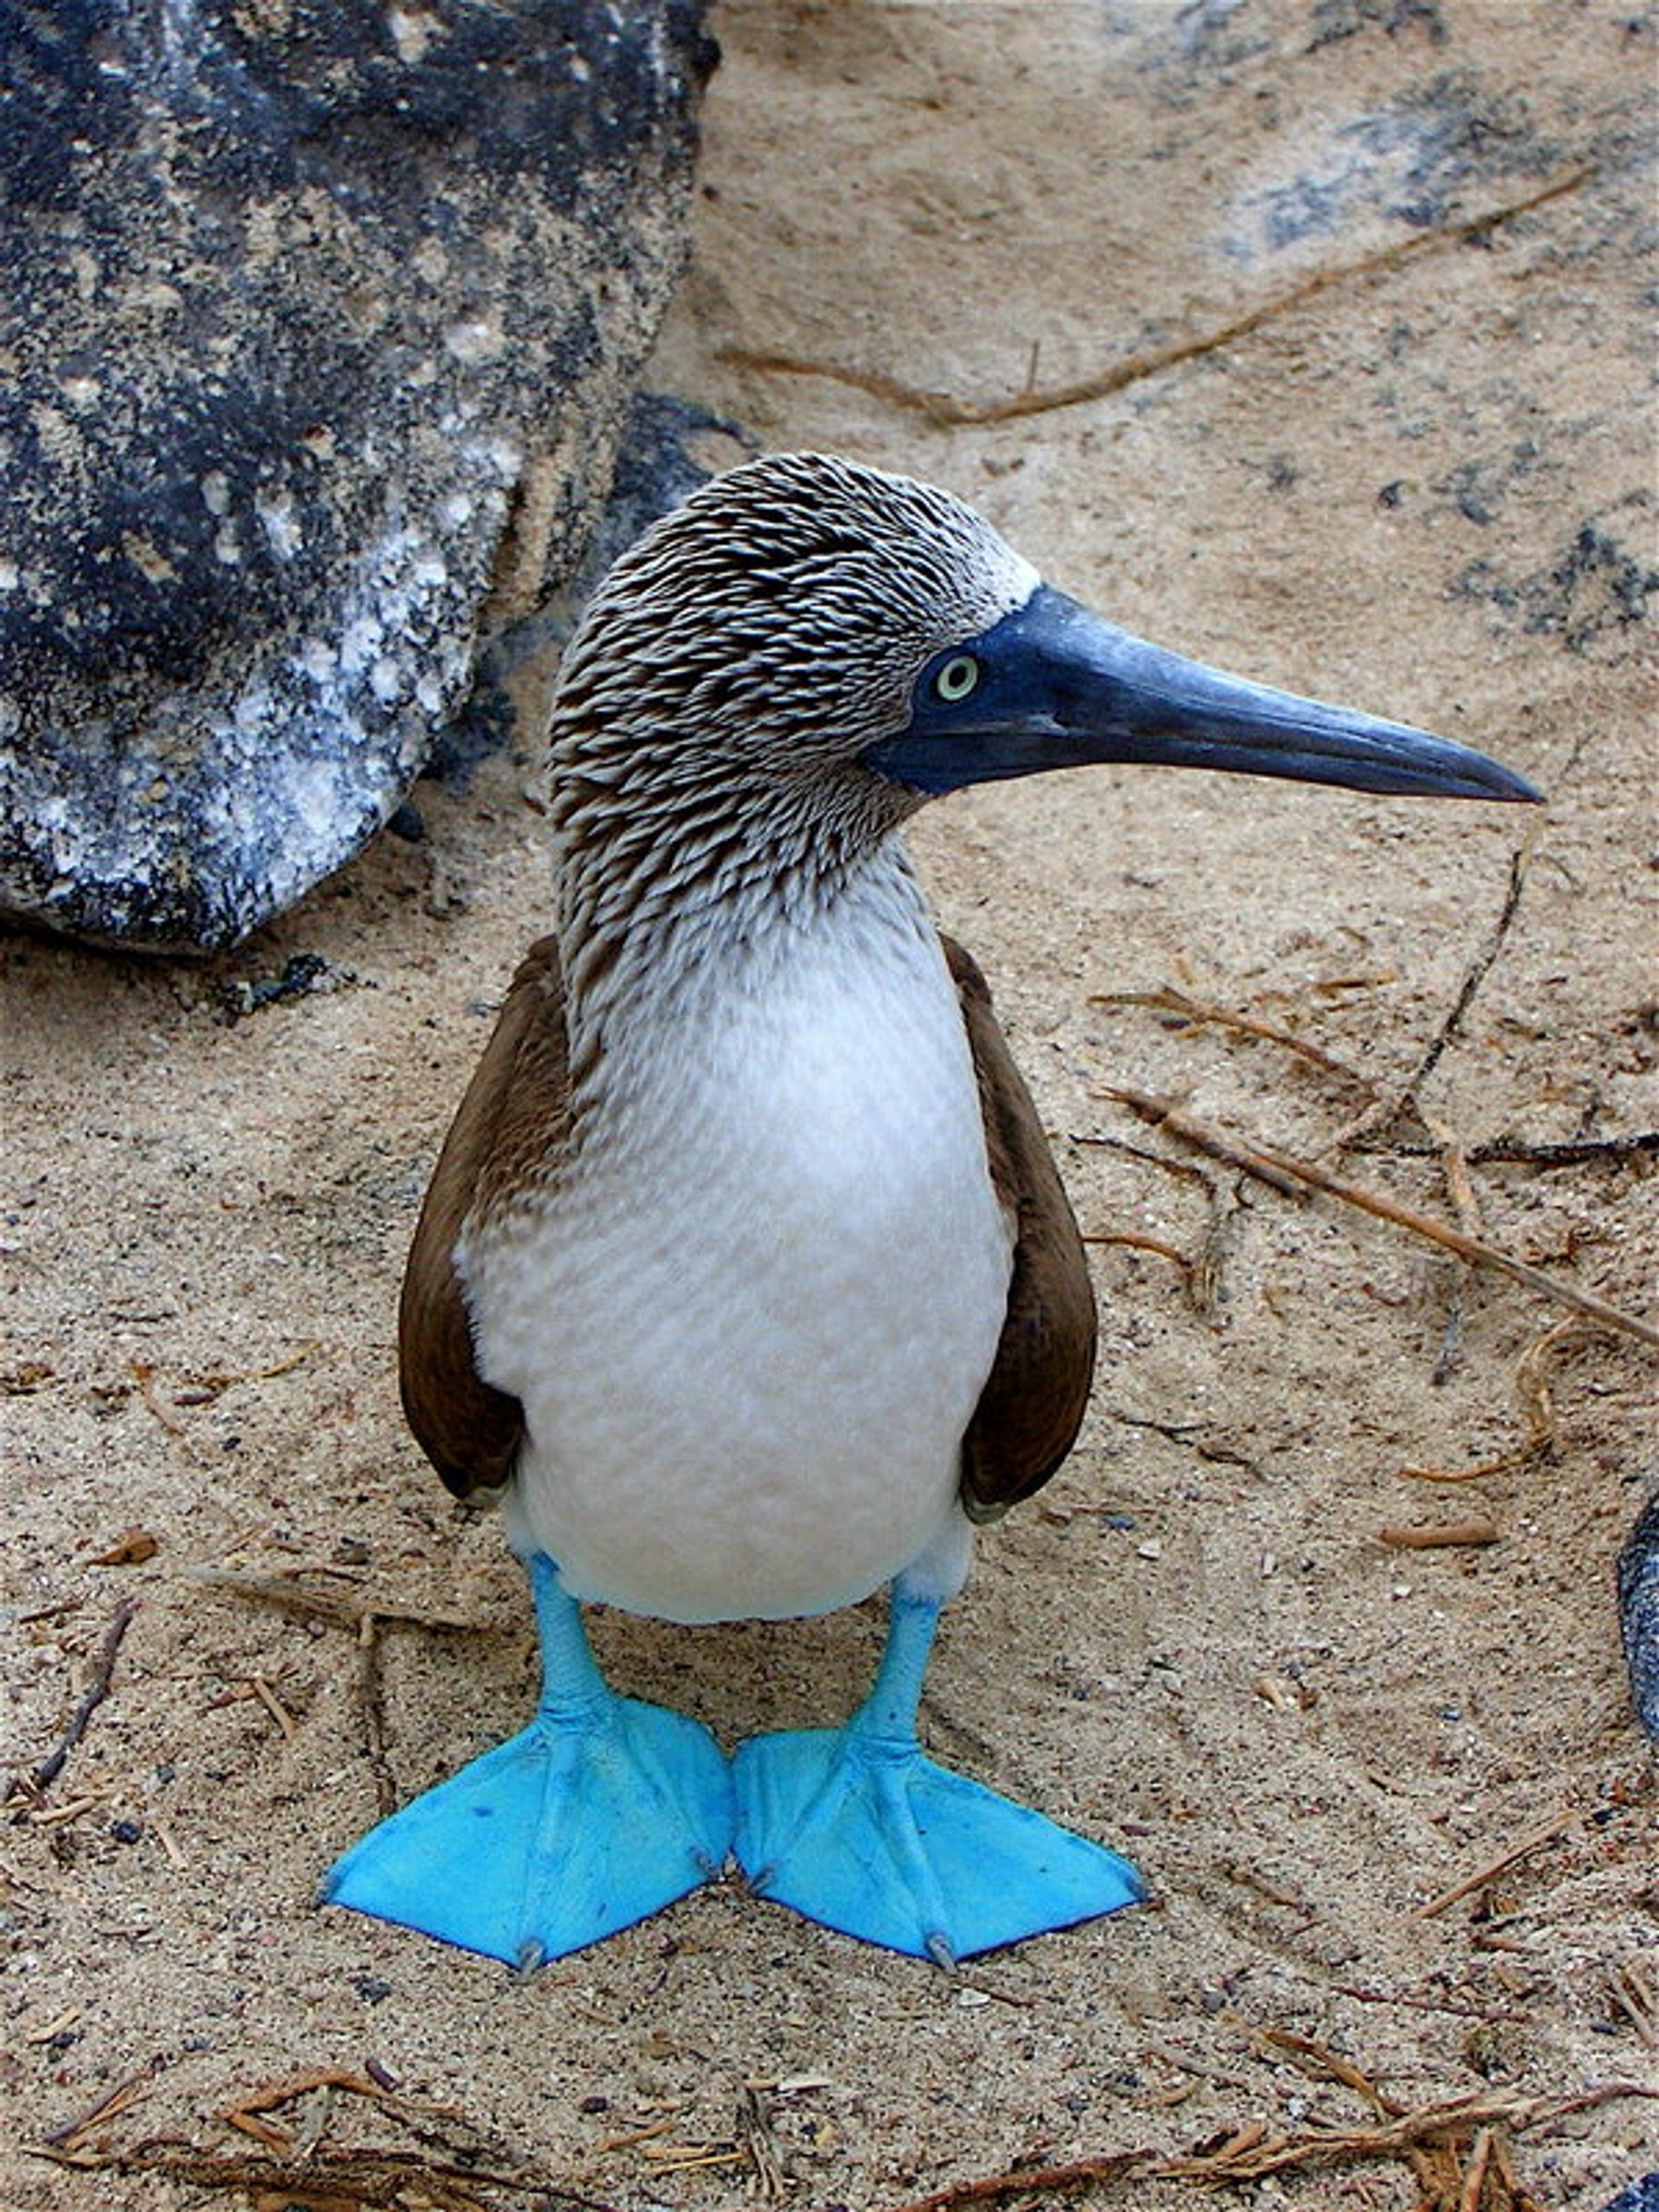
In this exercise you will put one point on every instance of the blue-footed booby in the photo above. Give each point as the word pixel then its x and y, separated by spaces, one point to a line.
pixel 746 1275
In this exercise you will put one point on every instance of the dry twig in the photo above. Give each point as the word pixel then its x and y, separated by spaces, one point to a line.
pixel 1481 1875
pixel 45 1772
pixel 144 1373
pixel 1632 1989
pixel 1284 1172
pixel 1388 1112
pixel 338 1608
pixel 378 2180
pixel 1197 1015
pixel 67 2138
pixel 1474 1529
pixel 1154 1244
pixel 1425 2137
pixel 1537 1411
pixel 945 408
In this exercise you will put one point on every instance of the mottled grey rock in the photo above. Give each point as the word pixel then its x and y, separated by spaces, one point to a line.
pixel 1638 1613
pixel 320 323
pixel 1640 2195
pixel 655 469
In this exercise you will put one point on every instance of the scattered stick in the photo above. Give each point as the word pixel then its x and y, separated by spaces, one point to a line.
pixel 1030 2181
pixel 338 1608
pixel 1518 1152
pixel 1252 2152
pixel 40 1816
pixel 279 2140
pixel 1537 1410
pixel 1278 1173
pixel 946 408
pixel 218 1382
pixel 1494 2015
pixel 378 2180
pixel 1454 1167
pixel 1388 1112
pixel 1169 1252
pixel 1474 2181
pixel 1202 1272
pixel 67 2138
pixel 46 1771
pixel 144 1375
pixel 371 1704
pixel 769 2177
pixel 274 1705
pixel 1475 1529
pixel 296 2166
pixel 1632 1992
pixel 1284 1172
pixel 1429 2124
pixel 1505 1859
pixel 1185 2061
pixel 364 1616
pixel 1198 1015
pixel 1326 2065
pixel 58 1609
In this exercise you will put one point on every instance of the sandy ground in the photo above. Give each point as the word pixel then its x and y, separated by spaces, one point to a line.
pixel 1407 461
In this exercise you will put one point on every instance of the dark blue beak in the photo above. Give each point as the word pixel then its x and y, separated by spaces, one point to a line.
pixel 1052 686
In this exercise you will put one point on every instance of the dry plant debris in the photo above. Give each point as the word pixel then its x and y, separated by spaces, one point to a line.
pixel 945 408
pixel 1289 1175
pixel 1194 1014
pixel 1511 1857
pixel 1456 2150
pixel 1532 1390
pixel 31 1787
pixel 460 2168
pixel 339 1608
pixel 1474 1528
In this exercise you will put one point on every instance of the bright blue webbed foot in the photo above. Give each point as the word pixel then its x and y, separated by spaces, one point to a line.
pixel 856 1828
pixel 601 1812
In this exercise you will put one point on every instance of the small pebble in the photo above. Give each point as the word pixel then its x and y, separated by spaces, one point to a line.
pixel 127 1830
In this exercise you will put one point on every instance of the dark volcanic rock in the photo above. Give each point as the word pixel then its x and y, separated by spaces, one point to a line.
pixel 1638 1613
pixel 321 321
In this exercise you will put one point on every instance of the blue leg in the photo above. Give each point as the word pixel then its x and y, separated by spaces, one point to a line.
pixel 600 1812
pixel 856 1828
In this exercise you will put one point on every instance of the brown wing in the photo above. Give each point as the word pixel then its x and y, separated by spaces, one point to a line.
pixel 511 1115
pixel 1033 1402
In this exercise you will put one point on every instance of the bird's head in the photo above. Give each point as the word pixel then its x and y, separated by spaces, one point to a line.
pixel 824 646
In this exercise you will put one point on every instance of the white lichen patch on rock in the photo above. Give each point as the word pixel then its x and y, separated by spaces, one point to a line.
pixel 264 531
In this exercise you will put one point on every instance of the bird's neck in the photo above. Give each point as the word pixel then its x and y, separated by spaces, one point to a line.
pixel 708 893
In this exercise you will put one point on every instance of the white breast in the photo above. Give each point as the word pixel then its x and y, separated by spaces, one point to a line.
pixel 749 1329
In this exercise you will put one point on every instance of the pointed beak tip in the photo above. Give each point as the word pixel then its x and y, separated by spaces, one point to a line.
pixel 1508 787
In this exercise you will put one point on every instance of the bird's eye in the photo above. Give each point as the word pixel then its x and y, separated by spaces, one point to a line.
pixel 957 678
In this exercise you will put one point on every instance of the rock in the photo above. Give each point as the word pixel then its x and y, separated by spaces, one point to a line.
pixel 1638 1613
pixel 655 467
pixel 322 323
pixel 1640 2195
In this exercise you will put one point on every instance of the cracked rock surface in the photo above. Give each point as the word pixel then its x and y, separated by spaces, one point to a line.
pixel 320 320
